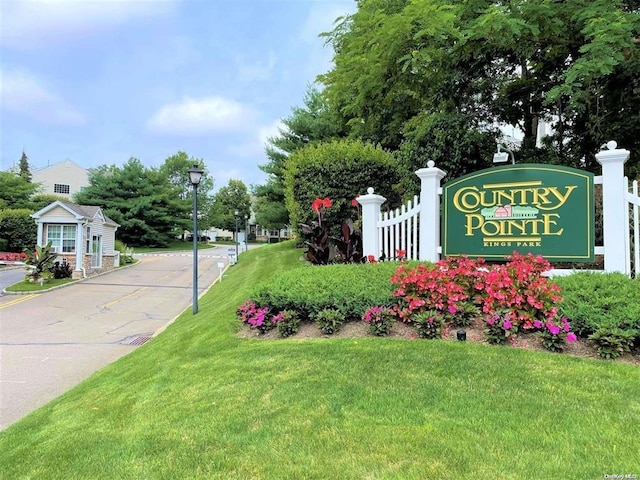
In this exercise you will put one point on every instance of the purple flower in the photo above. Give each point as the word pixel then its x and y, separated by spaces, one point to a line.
pixel 566 327
pixel 452 309
pixel 490 320
pixel 554 329
pixel 537 324
pixel 571 337
pixel 506 325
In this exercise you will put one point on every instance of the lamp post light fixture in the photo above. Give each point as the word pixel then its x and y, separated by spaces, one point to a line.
pixel 501 157
pixel 235 214
pixel 195 175
pixel 246 232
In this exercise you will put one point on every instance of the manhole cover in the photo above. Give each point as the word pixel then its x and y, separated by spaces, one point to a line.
pixel 136 340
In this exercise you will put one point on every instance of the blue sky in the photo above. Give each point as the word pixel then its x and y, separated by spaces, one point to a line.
pixel 99 82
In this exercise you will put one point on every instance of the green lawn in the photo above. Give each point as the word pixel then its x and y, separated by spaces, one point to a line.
pixel 36 287
pixel 175 246
pixel 198 402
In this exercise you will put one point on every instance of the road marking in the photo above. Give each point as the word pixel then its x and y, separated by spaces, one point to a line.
pixel 44 359
pixel 117 300
pixel 21 299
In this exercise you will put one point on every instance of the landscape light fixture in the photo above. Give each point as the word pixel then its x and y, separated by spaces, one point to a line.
pixel 195 175
pixel 501 157
pixel 235 214
pixel 461 335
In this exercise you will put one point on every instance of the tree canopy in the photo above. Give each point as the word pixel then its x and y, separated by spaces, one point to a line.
pixel 403 66
pixel 233 196
pixel 147 206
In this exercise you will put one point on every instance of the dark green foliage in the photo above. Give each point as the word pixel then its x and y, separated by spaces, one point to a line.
pixel 613 342
pixel 329 320
pixel 352 289
pixel 38 202
pixel 61 269
pixel 142 200
pixel 233 196
pixel 603 307
pixel 18 229
pixel 41 261
pixel 23 166
pixel 593 300
pixel 15 191
pixel 429 324
pixel 339 170
pixel 288 324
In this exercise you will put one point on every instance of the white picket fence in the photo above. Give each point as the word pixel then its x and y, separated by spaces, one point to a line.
pixel 415 227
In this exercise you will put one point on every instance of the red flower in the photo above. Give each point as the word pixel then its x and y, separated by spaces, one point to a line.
pixel 319 203
pixel 371 259
pixel 354 202
pixel 401 254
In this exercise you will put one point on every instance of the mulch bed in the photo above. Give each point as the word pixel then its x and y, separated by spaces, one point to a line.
pixel 581 348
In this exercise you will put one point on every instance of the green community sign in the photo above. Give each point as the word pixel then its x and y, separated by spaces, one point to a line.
pixel 530 208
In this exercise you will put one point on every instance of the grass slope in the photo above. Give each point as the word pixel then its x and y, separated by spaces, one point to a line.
pixel 197 402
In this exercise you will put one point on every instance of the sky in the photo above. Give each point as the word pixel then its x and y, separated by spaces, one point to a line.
pixel 101 81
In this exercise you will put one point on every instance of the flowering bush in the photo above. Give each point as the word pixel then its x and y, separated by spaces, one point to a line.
pixel 12 257
pixel 287 322
pixel 511 297
pixel 256 317
pixel 429 324
pixel 380 320
pixel 554 335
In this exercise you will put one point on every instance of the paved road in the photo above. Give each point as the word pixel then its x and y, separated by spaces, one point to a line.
pixel 52 341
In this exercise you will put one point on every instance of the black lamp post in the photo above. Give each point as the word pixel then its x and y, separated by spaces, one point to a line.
pixel 246 232
pixel 195 175
pixel 235 214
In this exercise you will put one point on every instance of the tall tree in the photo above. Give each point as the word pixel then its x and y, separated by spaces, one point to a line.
pixel 401 65
pixel 233 196
pixel 312 123
pixel 176 170
pixel 147 207
pixel 23 166
pixel 15 191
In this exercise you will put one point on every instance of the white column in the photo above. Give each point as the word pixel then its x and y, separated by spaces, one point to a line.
pixel 614 208
pixel 370 217
pixel 39 240
pixel 430 211
pixel 79 246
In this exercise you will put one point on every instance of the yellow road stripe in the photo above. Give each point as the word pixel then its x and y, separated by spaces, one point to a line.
pixel 117 300
pixel 22 298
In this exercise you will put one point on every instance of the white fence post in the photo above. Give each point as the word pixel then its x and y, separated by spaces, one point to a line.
pixel 615 209
pixel 430 211
pixel 370 218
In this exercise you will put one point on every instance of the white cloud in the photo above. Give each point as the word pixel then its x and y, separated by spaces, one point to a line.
pixel 23 93
pixel 203 116
pixel 33 23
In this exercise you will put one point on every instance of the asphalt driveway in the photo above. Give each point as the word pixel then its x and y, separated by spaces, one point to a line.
pixel 51 341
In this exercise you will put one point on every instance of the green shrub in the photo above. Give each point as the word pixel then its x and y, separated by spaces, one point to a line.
pixel 339 170
pixel 18 229
pixel 595 301
pixel 287 322
pixel 429 324
pixel 351 289
pixel 126 253
pixel 329 320
pixel 613 342
pixel 380 320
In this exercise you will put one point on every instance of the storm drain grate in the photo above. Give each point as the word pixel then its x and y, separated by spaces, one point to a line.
pixel 136 340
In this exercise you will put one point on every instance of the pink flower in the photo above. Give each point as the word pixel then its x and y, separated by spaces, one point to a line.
pixel 554 329
pixel 452 309
pixel 537 324
pixel 571 337
pixel 506 325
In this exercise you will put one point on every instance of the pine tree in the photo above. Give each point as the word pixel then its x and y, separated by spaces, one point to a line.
pixel 24 172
